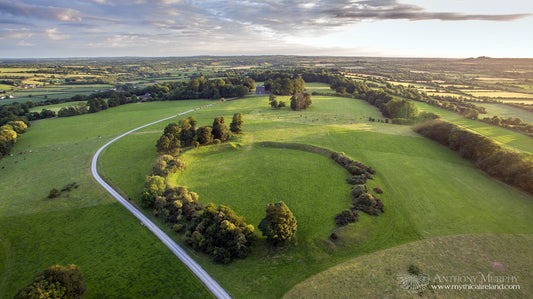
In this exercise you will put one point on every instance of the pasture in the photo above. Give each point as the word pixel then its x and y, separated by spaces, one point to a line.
pixel 119 257
pixel 376 274
pixel 496 94
pixel 504 136
pixel 506 111
pixel 429 190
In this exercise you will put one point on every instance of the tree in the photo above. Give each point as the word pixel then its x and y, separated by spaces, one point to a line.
pixel 56 282
pixel 220 130
pixel 237 123
pixel 301 101
pixel 204 135
pixel 96 105
pixel 242 91
pixel 188 132
pixel 18 126
pixel 154 186
pixel 169 142
pixel 279 224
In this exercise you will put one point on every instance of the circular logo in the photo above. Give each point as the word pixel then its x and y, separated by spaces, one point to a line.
pixel 413 283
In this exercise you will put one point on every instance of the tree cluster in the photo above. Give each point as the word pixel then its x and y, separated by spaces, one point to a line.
pixel 505 164
pixel 221 233
pixel 279 224
pixel 9 133
pixel 215 230
pixel 167 165
pixel 175 137
pixel 274 103
pixel 55 282
pixel 301 101
pixel 513 123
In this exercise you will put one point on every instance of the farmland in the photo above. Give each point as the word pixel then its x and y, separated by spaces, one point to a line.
pixel 441 212
pixel 222 175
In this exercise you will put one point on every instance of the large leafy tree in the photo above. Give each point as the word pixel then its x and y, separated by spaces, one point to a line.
pixel 279 224
pixel 56 282
pixel 220 130
pixel 237 123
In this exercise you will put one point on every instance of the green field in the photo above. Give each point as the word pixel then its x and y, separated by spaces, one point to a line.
pixel 55 107
pixel 316 86
pixel 429 190
pixel 506 111
pixel 53 92
pixel 119 257
pixel 497 94
pixel 376 275
pixel 504 136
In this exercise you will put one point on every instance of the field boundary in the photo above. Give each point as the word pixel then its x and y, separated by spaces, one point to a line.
pixel 206 279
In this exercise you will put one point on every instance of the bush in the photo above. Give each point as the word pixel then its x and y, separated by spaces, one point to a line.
pixel 359 190
pixel 56 282
pixel 356 180
pixel 369 204
pixel 54 193
pixel 378 190
pixel 279 224
pixel 345 217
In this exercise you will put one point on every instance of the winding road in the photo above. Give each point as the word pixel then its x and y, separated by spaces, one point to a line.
pixel 209 282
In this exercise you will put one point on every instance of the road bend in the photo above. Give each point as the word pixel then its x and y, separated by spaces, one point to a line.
pixel 208 281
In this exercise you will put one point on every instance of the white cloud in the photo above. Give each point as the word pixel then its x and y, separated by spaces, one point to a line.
pixel 54 34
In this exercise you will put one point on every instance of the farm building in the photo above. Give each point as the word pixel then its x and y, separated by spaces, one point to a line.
pixel 260 89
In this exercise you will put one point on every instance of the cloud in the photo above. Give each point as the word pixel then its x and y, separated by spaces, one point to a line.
pixel 54 34
pixel 391 10
pixel 19 9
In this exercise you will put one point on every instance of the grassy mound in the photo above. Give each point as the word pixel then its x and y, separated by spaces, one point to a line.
pixel 376 275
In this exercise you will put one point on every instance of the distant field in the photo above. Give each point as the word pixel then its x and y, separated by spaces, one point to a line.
pixel 507 137
pixel 506 111
pixel 55 107
pixel 376 275
pixel 316 86
pixel 496 94
pixel 54 92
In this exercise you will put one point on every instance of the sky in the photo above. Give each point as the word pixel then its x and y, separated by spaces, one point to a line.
pixel 153 28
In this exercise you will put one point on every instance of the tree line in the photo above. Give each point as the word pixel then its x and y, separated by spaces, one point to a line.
pixel 510 166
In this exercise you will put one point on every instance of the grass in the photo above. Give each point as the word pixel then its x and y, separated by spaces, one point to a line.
pixel 429 190
pixel 116 254
pixel 119 257
pixel 506 111
pixel 504 136
pixel 316 86
pixel 53 92
pixel 496 94
pixel 376 275
pixel 55 107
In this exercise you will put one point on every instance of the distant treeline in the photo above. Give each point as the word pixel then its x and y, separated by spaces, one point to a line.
pixel 510 166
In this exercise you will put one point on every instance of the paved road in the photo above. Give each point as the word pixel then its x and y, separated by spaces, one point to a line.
pixel 209 282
